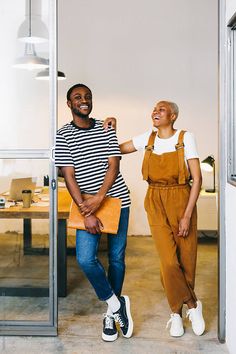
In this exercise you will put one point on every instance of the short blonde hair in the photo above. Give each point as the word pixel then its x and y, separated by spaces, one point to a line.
pixel 173 106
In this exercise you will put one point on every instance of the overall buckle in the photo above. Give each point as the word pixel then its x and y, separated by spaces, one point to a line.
pixel 179 146
pixel 149 147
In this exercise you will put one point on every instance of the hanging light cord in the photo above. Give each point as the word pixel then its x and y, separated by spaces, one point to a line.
pixel 30 20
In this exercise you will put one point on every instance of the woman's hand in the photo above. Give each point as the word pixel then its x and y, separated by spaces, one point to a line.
pixel 93 225
pixel 184 226
pixel 109 122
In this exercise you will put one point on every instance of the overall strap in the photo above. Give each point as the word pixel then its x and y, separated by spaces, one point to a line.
pixel 148 150
pixel 180 151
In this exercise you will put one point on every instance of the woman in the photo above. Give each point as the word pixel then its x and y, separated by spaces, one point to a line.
pixel 169 161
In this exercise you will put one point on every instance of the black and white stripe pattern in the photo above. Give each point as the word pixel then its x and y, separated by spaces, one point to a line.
pixel 88 150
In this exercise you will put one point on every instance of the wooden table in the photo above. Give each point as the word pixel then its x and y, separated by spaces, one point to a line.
pixel 42 212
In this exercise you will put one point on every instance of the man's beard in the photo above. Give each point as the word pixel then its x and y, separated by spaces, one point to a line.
pixel 79 114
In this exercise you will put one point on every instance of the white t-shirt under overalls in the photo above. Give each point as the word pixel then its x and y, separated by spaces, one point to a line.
pixel 168 145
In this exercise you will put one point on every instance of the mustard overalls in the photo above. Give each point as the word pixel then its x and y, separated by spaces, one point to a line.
pixel 165 203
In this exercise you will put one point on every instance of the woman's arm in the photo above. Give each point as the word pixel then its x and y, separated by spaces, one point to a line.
pixel 195 171
pixel 127 147
pixel 109 122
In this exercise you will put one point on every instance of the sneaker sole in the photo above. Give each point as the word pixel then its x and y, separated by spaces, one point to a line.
pixel 199 333
pixel 111 338
pixel 131 324
pixel 177 335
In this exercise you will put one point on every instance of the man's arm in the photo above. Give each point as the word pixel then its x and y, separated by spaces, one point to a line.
pixel 90 205
pixel 92 224
pixel 71 184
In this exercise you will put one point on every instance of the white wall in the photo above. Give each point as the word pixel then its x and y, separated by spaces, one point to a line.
pixel 133 53
pixel 230 201
pixel 230 267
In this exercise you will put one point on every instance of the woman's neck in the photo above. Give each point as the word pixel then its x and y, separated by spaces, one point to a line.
pixel 166 132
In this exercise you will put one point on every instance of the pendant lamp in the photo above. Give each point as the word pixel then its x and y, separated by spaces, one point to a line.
pixel 32 30
pixel 44 75
pixel 30 60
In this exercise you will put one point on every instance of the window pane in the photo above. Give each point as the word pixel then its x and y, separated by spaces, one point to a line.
pixel 233 154
pixel 24 241
pixel 24 100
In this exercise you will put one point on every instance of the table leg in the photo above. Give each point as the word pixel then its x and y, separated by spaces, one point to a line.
pixel 61 263
pixel 27 241
pixel 27 235
pixel 62 252
pixel 62 258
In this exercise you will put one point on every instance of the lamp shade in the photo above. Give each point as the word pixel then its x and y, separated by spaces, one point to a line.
pixel 30 60
pixel 44 75
pixel 32 29
pixel 208 163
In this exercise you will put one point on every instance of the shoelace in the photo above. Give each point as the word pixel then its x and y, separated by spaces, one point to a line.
pixel 189 314
pixel 170 321
pixel 118 319
pixel 172 316
pixel 108 321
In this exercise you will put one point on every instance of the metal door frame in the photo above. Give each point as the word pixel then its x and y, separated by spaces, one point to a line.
pixel 222 96
pixel 43 328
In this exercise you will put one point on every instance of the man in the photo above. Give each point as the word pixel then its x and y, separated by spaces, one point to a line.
pixel 89 158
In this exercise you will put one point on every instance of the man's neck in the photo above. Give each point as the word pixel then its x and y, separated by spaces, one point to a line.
pixel 84 122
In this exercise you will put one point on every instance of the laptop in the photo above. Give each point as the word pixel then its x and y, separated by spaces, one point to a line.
pixel 19 184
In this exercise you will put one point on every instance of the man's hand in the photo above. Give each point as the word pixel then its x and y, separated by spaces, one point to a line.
pixel 89 206
pixel 93 225
pixel 109 122
pixel 184 226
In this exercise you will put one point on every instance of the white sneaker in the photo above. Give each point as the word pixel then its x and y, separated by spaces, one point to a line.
pixel 196 317
pixel 176 328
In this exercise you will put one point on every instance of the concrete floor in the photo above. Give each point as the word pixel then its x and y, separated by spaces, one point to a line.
pixel 80 313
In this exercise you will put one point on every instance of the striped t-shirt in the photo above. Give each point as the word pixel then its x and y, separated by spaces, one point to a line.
pixel 88 150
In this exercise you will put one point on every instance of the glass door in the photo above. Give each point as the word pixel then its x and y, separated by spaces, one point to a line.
pixel 28 220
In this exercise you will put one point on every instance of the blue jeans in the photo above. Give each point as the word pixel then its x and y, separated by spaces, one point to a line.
pixel 86 254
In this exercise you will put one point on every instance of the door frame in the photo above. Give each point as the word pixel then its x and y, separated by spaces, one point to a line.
pixel 223 108
pixel 50 327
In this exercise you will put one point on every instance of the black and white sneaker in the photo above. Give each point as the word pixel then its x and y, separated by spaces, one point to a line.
pixel 123 317
pixel 109 333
